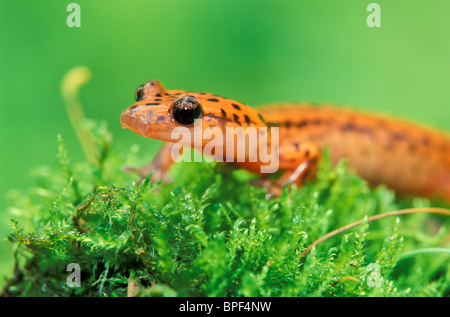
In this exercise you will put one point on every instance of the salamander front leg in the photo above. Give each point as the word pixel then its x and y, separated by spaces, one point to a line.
pixel 160 165
pixel 273 187
pixel 299 160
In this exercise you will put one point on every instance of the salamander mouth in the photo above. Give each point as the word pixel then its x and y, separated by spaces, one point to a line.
pixel 123 122
pixel 148 123
pixel 127 117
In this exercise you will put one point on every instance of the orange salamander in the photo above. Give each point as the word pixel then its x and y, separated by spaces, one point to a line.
pixel 409 158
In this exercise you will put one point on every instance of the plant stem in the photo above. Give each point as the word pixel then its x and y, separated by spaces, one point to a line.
pixel 434 210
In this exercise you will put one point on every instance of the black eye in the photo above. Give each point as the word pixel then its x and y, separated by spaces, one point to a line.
pixel 139 93
pixel 185 111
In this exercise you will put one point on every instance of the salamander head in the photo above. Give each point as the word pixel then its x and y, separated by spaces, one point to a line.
pixel 157 112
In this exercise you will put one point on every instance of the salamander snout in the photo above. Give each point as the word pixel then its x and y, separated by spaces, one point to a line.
pixel 125 117
pixel 143 119
pixel 149 121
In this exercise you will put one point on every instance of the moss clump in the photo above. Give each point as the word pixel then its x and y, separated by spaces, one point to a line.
pixel 208 233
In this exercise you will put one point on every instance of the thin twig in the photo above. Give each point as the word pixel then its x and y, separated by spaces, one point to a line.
pixel 434 210
pixel 344 279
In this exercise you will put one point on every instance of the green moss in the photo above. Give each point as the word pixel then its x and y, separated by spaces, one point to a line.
pixel 208 233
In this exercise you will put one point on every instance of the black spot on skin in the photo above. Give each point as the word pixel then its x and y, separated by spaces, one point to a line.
pixel 158 95
pixel 297 146
pixel 236 118
pixel 288 124
pixel 235 106
pixel 247 119
pixel 262 119
pixel 157 99
pixel 301 124
pixel 160 119
pixel 307 153
pixel 152 104
pixel 213 99
pixel 398 136
pixel 348 127
pixel 224 113
pixel 210 115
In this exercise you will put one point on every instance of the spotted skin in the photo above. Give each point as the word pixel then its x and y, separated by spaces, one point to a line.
pixel 151 116
pixel 409 158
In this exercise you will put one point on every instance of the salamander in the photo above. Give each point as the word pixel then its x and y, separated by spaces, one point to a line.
pixel 407 157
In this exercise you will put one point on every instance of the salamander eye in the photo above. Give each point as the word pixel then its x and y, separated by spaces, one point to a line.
pixel 186 110
pixel 139 94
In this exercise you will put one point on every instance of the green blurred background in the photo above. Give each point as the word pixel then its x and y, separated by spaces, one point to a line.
pixel 254 51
